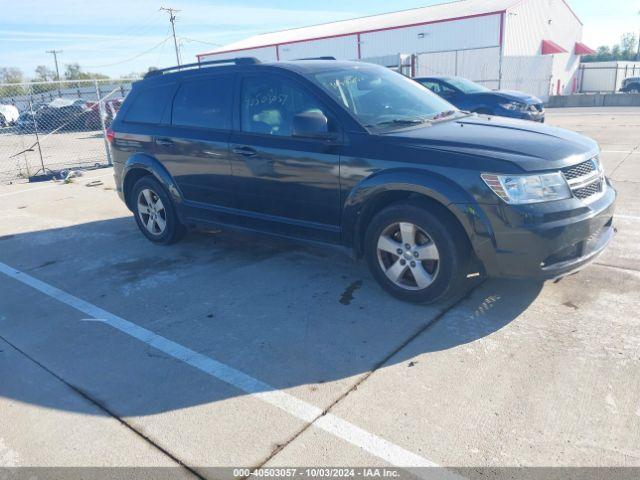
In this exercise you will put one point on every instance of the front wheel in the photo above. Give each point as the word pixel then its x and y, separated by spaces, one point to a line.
pixel 415 254
pixel 155 213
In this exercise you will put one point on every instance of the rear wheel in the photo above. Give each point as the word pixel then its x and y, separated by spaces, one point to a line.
pixel 416 255
pixel 155 213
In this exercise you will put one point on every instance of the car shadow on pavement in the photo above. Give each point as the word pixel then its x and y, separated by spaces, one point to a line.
pixel 293 316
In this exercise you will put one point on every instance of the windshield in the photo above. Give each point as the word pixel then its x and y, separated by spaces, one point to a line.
pixel 467 86
pixel 382 99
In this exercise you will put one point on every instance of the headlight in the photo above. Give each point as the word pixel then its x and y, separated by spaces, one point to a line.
pixel 521 189
pixel 514 106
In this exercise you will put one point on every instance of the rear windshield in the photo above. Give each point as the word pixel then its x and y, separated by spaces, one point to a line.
pixel 466 86
pixel 148 105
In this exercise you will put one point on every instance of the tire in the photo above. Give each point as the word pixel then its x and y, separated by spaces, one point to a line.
pixel 435 265
pixel 3 121
pixel 155 213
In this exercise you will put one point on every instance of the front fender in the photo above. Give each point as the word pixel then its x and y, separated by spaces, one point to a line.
pixel 141 161
pixel 436 187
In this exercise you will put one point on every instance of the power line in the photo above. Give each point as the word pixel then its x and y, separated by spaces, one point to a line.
pixel 200 41
pixel 172 19
pixel 161 52
pixel 131 58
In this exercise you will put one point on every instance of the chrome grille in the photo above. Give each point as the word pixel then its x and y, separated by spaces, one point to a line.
pixel 585 179
pixel 586 192
pixel 580 170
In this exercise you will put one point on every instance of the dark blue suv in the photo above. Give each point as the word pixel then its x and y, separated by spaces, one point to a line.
pixel 356 155
pixel 473 97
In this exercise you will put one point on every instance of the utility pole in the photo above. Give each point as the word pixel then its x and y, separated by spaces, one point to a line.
pixel 55 59
pixel 638 52
pixel 172 19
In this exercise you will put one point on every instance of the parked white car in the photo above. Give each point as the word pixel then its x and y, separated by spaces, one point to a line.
pixel 8 115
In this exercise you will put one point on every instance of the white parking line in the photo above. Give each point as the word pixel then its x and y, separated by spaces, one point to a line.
pixel 381 448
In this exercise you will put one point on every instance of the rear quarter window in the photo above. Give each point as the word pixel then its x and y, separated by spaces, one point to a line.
pixel 148 105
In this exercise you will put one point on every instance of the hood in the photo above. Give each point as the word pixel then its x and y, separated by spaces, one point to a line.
pixel 517 96
pixel 531 146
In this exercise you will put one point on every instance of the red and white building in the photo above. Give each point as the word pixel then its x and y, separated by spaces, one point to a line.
pixel 529 45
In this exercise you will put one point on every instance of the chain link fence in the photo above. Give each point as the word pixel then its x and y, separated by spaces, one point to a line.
pixel 50 127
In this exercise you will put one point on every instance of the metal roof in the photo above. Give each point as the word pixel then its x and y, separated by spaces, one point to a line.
pixel 415 16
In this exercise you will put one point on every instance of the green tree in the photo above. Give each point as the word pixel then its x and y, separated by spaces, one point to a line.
pixel 11 75
pixel 629 44
pixel 625 50
pixel 73 71
pixel 44 74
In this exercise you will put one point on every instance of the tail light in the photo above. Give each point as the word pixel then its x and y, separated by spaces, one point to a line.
pixel 110 135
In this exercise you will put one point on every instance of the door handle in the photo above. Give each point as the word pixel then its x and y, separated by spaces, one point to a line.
pixel 164 142
pixel 244 151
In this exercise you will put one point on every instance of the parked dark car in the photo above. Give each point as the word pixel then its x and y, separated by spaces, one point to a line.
pixel 473 97
pixel 631 85
pixel 356 155
pixel 63 114
pixel 26 121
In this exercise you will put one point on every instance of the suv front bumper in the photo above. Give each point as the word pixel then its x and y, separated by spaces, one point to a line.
pixel 547 241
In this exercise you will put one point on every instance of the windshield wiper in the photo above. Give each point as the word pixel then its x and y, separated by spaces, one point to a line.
pixel 445 114
pixel 400 121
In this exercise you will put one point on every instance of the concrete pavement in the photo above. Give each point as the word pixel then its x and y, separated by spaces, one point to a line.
pixel 335 371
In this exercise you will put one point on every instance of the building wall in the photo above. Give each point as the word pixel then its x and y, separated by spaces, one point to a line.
pixel 469 47
pixel 264 54
pixel 469 33
pixel 342 48
pixel 532 21
pixel 481 65
pixel 476 32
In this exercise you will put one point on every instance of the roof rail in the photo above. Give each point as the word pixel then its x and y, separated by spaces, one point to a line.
pixel 190 66
pixel 315 58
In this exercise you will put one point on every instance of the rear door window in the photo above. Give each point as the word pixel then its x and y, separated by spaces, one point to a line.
pixel 204 103
pixel 148 106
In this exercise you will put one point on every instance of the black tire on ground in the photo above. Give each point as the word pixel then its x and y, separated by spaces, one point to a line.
pixel 173 230
pixel 454 251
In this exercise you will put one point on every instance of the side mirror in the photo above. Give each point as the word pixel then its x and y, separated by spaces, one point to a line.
pixel 310 125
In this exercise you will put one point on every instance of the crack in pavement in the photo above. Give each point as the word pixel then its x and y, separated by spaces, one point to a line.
pixel 365 377
pixel 633 150
pixel 617 267
pixel 103 408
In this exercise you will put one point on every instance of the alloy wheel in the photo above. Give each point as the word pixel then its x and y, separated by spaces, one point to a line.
pixel 408 256
pixel 152 212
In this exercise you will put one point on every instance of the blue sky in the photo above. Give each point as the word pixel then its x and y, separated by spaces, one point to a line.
pixel 113 37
